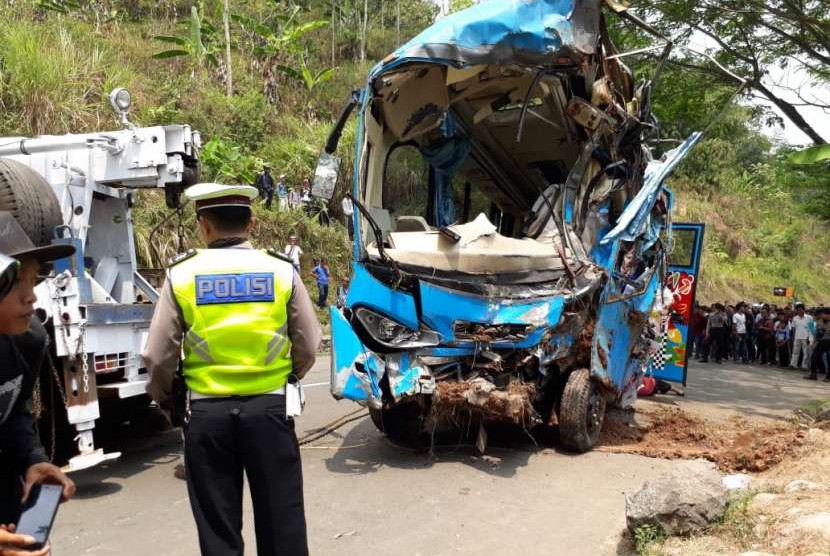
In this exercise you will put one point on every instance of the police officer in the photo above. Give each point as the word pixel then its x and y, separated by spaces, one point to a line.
pixel 245 323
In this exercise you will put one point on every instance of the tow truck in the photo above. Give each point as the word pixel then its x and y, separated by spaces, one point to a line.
pixel 79 189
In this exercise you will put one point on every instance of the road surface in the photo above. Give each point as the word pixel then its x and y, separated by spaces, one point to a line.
pixel 364 495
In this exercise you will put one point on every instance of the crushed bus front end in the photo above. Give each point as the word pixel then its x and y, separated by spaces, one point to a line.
pixel 510 228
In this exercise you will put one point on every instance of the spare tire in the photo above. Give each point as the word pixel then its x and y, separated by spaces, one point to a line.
pixel 30 199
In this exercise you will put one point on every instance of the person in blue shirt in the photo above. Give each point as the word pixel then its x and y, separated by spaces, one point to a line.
pixel 282 194
pixel 321 274
pixel 782 341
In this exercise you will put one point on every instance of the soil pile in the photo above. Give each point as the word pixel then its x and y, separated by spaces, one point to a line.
pixel 733 445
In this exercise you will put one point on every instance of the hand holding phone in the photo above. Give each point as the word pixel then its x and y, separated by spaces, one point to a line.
pixel 12 544
pixel 39 514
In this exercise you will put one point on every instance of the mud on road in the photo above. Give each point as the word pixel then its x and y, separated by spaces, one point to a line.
pixel 736 444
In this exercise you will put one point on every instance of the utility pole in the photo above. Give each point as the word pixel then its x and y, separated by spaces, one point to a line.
pixel 398 23
pixel 229 68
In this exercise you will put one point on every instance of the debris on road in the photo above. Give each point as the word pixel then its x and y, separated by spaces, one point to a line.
pixel 456 399
pixel 734 445
pixel 687 499
pixel 347 534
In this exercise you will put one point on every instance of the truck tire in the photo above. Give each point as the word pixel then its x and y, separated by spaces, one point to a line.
pixel 581 413
pixel 30 199
pixel 401 423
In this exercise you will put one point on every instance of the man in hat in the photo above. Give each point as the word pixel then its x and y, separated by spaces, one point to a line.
pixel 23 344
pixel 247 326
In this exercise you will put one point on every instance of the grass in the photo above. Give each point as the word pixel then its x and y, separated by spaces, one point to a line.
pixel 648 540
pixel 755 243
pixel 737 524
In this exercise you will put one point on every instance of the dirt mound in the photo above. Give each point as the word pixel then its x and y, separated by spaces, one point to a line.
pixel 735 445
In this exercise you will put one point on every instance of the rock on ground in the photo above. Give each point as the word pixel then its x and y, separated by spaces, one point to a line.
pixel 688 498
pixel 800 485
pixel 815 523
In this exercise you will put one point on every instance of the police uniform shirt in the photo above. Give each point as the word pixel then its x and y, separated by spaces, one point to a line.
pixel 164 344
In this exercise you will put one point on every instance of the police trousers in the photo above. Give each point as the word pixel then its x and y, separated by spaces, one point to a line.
pixel 223 438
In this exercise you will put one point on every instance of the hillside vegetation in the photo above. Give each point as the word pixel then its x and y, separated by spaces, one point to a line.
pixel 291 71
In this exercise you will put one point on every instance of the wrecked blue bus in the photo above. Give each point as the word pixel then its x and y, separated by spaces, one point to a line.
pixel 512 229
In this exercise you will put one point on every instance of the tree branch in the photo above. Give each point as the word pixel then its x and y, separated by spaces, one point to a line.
pixel 803 45
pixel 792 114
pixel 726 47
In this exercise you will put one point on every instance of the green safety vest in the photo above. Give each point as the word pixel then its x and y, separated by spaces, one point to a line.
pixel 234 303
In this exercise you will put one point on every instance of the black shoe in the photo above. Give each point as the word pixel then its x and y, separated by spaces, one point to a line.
pixel 704 360
pixel 827 378
pixel 810 377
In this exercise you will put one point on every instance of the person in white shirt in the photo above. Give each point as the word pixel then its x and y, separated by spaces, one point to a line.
pixel 293 251
pixel 348 213
pixel 802 338
pixel 739 330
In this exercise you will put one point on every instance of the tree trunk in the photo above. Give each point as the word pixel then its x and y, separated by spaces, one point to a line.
pixel 226 17
pixel 365 30
pixel 382 15
pixel 398 22
pixel 333 32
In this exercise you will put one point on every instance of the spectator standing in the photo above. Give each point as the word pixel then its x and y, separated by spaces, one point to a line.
pixel 282 193
pixel 342 292
pixel 821 347
pixel 740 334
pixel 765 334
pixel 294 251
pixel 348 214
pixel 751 352
pixel 717 333
pixel 730 345
pixel 265 184
pixel 305 197
pixel 802 338
pixel 321 275
pixel 782 341
pixel 293 198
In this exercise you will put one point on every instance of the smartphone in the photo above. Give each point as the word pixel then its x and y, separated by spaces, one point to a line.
pixel 39 513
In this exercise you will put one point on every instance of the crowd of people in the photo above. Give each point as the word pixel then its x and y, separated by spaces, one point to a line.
pixel 789 337
pixel 288 196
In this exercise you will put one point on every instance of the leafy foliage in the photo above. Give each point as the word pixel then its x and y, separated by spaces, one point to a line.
pixel 198 43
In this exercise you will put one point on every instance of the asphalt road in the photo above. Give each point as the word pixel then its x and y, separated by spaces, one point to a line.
pixel 365 495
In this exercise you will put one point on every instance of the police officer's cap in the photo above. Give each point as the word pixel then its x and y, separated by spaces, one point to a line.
pixel 208 195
